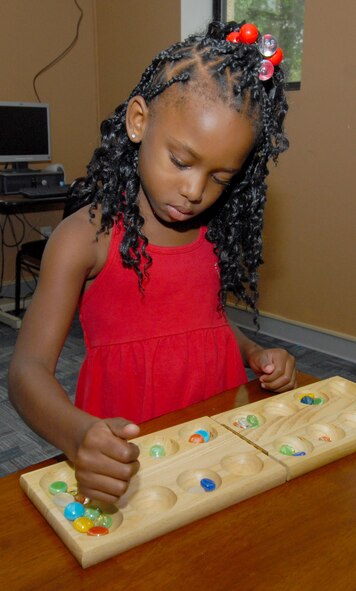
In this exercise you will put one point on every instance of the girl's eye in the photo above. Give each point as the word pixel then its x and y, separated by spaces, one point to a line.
pixel 178 163
pixel 221 182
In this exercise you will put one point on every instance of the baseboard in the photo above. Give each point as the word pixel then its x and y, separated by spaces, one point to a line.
pixel 296 333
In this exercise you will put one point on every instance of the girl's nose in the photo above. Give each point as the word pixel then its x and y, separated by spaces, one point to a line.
pixel 193 188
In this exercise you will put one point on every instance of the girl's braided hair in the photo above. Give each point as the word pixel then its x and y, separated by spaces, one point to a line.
pixel 235 223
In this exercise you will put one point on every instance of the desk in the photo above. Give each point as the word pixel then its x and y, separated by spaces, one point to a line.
pixel 300 536
pixel 17 204
pixel 11 204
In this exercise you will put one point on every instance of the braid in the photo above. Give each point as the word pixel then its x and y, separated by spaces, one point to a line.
pixel 235 229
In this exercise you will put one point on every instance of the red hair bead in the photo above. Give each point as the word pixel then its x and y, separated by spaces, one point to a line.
pixel 233 37
pixel 277 57
pixel 248 33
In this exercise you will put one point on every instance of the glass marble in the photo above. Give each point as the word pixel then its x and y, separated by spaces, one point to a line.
pixel 82 499
pixel 74 510
pixel 204 433
pixel 207 484
pixel 58 486
pixel 83 524
pixel 62 499
pixel 103 520
pixel 242 423
pixel 157 451
pixel 92 512
pixel 307 399
pixel 253 421
pixel 196 438
pixel 98 530
pixel 287 449
pixel 73 490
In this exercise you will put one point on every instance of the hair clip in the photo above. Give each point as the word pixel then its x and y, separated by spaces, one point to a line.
pixel 267 46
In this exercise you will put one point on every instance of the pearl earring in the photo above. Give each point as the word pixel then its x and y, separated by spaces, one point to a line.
pixel 133 135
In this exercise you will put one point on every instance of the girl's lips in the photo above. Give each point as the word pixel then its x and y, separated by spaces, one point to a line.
pixel 178 214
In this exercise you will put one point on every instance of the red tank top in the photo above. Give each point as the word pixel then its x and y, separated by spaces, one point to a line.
pixel 154 352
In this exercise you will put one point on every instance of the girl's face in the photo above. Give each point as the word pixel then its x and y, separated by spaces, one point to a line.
pixel 190 149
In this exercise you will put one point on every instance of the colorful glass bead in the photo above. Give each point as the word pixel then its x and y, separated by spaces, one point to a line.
pixel 287 449
pixel 267 45
pixel 196 438
pixel 204 433
pixel 318 401
pixel 266 70
pixel 103 520
pixel 62 499
pixel 248 33
pixel 325 438
pixel 73 490
pixel 233 37
pixel 253 421
pixel 83 524
pixel 299 453
pixel 57 487
pixel 98 530
pixel 82 499
pixel 307 399
pixel 74 510
pixel 207 484
pixel 92 512
pixel 157 451
pixel 241 423
pixel 277 57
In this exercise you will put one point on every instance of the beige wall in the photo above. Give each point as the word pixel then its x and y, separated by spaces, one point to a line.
pixel 310 245
pixel 33 33
pixel 117 40
pixel 129 35
pixel 309 275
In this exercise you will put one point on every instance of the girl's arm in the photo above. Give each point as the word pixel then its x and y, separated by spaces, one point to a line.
pixel 275 368
pixel 104 460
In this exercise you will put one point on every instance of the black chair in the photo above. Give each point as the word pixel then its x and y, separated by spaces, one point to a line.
pixel 29 257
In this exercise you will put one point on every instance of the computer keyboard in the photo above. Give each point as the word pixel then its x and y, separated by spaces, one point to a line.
pixel 45 191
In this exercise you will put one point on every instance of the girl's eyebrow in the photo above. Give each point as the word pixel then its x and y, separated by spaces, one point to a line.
pixel 184 146
pixel 195 155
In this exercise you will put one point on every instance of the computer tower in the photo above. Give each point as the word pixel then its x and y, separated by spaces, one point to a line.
pixel 16 182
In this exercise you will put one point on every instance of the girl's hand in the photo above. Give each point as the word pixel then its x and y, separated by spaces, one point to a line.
pixel 106 460
pixel 275 367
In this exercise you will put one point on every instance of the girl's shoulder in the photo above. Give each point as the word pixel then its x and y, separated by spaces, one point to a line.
pixel 76 241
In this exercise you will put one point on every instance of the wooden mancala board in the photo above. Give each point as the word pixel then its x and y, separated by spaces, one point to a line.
pixel 302 429
pixel 241 458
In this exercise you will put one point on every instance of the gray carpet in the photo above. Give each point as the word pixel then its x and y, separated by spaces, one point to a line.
pixel 20 447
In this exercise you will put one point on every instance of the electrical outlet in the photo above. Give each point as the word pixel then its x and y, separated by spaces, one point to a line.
pixel 46 231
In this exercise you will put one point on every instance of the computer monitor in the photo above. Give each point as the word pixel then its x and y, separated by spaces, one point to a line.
pixel 24 134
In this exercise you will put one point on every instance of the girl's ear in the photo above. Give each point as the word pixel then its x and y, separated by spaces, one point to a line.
pixel 136 118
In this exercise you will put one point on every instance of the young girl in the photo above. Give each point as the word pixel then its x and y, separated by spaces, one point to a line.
pixel 170 221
